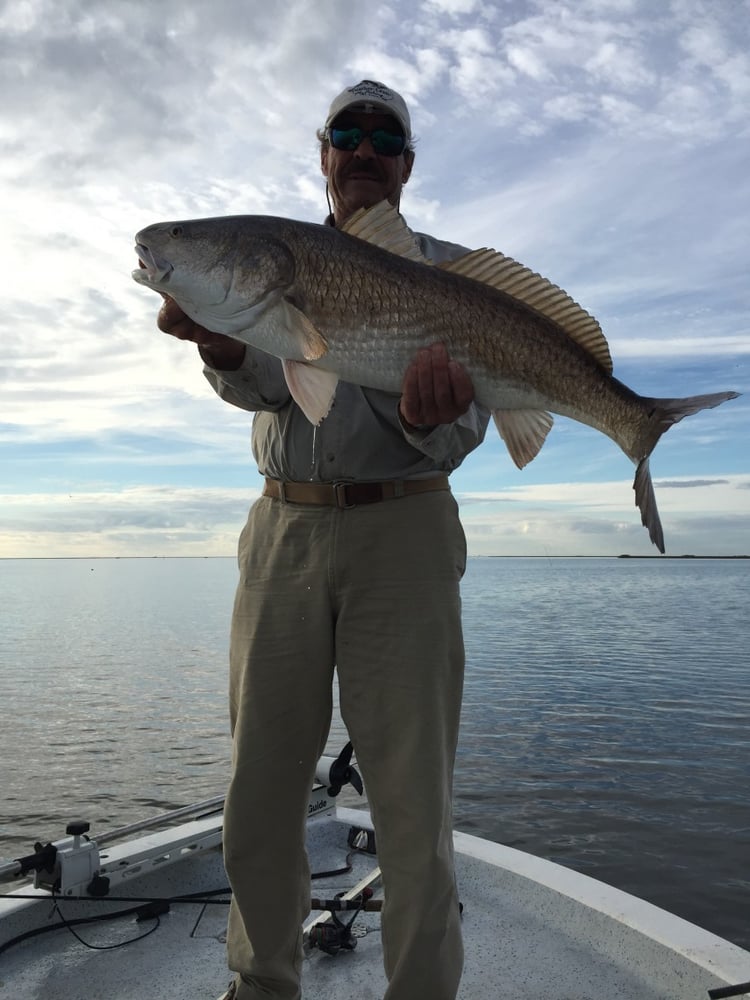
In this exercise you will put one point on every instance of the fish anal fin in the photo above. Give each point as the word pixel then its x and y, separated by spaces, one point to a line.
pixel 311 342
pixel 524 432
pixel 383 226
pixel 519 282
pixel 312 388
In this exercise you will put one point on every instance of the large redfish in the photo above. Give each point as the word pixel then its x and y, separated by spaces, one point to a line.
pixel 357 303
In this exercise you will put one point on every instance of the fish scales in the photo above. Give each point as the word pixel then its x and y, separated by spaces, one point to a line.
pixel 410 306
pixel 358 304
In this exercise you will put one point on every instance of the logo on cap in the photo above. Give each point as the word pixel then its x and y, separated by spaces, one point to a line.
pixel 375 91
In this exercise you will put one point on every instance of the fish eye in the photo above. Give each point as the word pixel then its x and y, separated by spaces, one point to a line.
pixel 175 232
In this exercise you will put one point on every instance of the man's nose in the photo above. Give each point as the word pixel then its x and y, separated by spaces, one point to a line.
pixel 365 150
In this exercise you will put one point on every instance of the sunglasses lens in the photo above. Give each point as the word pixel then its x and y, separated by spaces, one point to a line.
pixel 387 143
pixel 346 138
pixel 384 143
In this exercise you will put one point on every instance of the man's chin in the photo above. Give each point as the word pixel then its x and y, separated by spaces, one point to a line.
pixel 368 190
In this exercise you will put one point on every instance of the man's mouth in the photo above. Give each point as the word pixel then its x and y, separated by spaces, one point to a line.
pixel 363 175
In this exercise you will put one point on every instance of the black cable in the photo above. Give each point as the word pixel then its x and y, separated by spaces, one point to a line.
pixel 198 898
pixel 56 927
pixel 336 871
pixel 103 947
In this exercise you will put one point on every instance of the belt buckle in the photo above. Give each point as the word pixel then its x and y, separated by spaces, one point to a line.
pixel 339 494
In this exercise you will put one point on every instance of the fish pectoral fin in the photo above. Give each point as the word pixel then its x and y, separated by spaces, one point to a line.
pixel 384 227
pixel 524 432
pixel 312 388
pixel 313 345
pixel 519 282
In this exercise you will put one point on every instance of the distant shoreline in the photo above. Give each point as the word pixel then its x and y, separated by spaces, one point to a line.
pixel 625 555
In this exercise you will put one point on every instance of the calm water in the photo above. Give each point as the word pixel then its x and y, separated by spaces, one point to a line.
pixel 606 719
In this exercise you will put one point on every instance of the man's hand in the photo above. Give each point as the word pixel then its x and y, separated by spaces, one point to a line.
pixel 217 350
pixel 435 390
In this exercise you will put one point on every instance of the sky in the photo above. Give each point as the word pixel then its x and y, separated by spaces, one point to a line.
pixel 603 143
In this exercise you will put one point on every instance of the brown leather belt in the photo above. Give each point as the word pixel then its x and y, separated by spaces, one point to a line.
pixel 345 494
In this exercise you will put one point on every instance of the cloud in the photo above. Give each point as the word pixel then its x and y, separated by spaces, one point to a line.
pixel 705 518
pixel 475 71
pixel 686 484
pixel 159 520
pixel 453 8
pixel 681 347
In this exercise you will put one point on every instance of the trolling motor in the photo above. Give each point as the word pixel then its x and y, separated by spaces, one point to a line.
pixel 335 772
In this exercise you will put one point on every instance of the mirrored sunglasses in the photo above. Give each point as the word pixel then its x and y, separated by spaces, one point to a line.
pixel 384 143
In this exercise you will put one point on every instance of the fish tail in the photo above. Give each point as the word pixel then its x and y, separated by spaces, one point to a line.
pixel 663 414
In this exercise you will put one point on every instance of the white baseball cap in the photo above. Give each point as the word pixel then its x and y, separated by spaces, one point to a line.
pixel 370 96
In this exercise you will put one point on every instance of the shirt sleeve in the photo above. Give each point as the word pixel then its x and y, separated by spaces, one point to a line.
pixel 448 444
pixel 258 384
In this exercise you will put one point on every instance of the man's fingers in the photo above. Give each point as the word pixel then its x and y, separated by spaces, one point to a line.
pixel 170 315
pixel 462 388
pixel 173 320
pixel 428 368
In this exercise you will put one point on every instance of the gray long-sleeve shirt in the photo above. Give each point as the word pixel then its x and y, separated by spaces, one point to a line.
pixel 361 439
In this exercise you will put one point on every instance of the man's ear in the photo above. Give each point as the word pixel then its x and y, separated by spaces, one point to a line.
pixel 408 164
pixel 324 160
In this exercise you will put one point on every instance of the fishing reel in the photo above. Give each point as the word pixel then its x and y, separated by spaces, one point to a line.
pixel 335 935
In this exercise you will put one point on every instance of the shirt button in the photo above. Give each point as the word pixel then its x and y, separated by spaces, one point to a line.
pixel 330 457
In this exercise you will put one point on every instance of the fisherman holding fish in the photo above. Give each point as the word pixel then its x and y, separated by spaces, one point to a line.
pixel 372 358
pixel 351 559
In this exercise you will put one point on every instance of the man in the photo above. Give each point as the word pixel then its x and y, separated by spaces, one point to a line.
pixel 363 578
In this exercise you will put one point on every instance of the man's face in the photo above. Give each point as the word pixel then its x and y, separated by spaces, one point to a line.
pixel 361 177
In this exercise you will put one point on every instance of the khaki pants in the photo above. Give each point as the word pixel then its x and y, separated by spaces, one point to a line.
pixel 373 590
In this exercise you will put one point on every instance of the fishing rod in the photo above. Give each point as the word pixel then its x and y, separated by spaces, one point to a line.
pixel 44 855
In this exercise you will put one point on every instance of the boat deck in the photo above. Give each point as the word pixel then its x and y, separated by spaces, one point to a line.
pixel 527 935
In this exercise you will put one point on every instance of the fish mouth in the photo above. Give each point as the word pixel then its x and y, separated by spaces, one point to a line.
pixel 152 269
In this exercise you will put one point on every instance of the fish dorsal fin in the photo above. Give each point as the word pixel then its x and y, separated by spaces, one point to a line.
pixel 384 227
pixel 507 275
